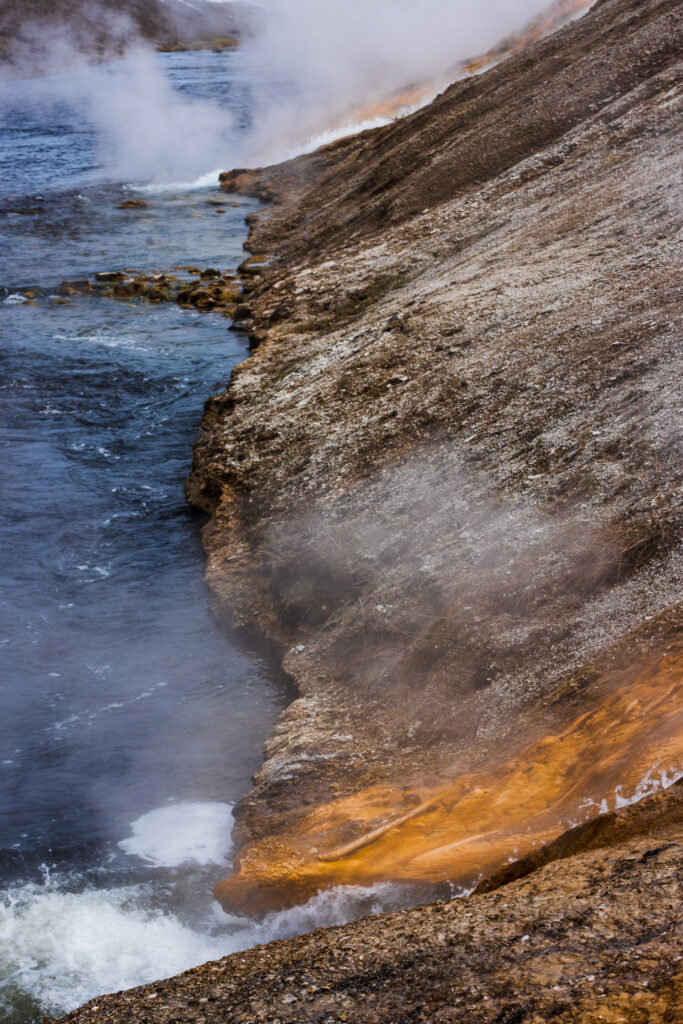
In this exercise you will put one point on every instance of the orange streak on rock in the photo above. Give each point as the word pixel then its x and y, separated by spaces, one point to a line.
pixel 473 824
pixel 552 19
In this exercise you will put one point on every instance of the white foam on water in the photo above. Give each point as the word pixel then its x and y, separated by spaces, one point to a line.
pixel 16 299
pixel 330 908
pixel 63 948
pixel 182 833
pixel 105 338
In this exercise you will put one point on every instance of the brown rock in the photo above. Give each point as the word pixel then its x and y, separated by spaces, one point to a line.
pixel 134 204
pixel 110 276
pixel 445 432
pixel 129 289
pixel 67 288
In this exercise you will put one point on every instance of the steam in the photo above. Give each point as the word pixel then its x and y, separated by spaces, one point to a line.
pixel 315 69
pixel 422 566
pixel 338 57
pixel 148 131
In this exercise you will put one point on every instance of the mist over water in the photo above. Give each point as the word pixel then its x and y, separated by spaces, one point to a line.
pixel 311 68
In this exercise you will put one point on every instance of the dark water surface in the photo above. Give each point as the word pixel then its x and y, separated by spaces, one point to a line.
pixel 129 720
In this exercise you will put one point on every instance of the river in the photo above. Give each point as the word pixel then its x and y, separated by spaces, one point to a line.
pixel 131 720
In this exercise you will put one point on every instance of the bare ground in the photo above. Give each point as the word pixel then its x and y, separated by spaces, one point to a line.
pixel 447 481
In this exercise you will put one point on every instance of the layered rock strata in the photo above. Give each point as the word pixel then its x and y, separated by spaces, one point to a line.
pixel 447 480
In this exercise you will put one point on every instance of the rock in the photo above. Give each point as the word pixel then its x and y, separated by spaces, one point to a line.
pixel 497 359
pixel 591 937
pixel 129 289
pixel 242 312
pixel 67 288
pixel 205 302
pixel 134 204
pixel 160 294
pixel 110 276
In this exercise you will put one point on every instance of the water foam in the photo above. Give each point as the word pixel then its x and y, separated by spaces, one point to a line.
pixel 64 948
pixel 182 833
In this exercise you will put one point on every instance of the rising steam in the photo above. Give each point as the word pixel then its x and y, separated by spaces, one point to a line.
pixel 312 65
pixel 341 56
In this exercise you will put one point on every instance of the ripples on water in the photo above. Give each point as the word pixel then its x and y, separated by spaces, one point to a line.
pixel 121 697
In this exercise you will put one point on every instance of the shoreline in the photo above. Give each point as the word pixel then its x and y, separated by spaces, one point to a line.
pixel 551 930
pixel 296 306
pixel 444 485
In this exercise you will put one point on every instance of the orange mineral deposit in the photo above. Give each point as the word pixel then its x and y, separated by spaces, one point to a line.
pixel 627 745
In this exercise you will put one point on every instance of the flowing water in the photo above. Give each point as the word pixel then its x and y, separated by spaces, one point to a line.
pixel 130 721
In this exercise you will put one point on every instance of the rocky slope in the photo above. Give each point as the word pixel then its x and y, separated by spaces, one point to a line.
pixel 447 481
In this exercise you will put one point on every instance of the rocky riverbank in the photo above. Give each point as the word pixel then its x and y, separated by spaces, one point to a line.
pixel 447 480
pixel 589 933
pixel 447 484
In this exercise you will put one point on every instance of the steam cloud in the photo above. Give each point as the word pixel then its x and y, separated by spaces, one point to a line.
pixel 149 131
pixel 341 56
pixel 422 564
pixel 313 64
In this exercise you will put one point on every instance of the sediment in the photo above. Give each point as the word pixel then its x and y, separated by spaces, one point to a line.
pixel 447 484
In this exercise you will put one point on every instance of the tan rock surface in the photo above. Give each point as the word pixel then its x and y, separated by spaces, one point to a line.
pixel 447 481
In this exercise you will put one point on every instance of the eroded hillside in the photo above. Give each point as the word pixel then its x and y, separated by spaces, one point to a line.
pixel 447 481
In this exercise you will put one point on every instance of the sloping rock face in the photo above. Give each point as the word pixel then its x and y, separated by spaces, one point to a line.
pixel 447 481
pixel 595 937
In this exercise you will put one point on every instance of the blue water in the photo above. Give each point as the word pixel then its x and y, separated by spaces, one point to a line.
pixel 130 720
pixel 120 693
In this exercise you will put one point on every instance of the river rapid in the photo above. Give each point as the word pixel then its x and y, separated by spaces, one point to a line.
pixel 131 721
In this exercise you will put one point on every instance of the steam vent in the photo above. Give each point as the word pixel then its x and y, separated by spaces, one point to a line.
pixel 446 486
